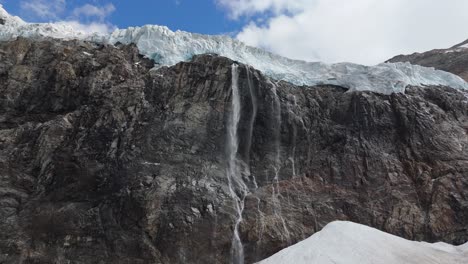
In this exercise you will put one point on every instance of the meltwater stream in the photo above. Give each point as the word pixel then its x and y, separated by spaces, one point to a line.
pixel 237 168
pixel 237 187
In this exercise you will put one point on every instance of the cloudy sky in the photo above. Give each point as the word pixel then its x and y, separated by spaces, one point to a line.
pixel 361 31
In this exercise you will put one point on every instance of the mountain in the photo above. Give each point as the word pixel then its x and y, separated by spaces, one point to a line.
pixel 105 158
pixel 349 243
pixel 454 59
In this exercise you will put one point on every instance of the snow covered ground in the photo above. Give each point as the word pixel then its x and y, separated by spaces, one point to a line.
pixel 168 48
pixel 350 243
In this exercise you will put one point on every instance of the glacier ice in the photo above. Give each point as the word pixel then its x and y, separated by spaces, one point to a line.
pixel 350 243
pixel 167 48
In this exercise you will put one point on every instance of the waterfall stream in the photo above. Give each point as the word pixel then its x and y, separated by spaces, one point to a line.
pixel 292 121
pixel 237 187
pixel 238 168
pixel 276 194
pixel 253 116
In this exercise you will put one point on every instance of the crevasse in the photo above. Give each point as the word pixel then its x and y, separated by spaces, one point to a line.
pixel 167 48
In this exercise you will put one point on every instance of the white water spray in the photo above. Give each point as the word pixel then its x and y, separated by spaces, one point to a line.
pixel 237 187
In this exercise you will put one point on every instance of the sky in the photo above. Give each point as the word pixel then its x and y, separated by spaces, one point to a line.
pixel 360 31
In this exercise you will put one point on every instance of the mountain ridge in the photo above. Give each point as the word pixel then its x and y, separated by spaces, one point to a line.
pixel 454 59
pixel 167 48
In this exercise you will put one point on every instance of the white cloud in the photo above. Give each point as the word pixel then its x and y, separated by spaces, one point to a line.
pixel 362 31
pixel 98 12
pixel 43 9
pixel 88 28
pixel 87 18
pixel 237 8
pixel 95 17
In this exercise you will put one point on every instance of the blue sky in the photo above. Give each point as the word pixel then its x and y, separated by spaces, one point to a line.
pixel 360 31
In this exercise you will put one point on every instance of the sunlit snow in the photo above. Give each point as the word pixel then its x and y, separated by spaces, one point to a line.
pixel 167 48
pixel 349 243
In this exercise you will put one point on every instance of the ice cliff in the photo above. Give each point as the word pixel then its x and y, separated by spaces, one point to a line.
pixel 167 48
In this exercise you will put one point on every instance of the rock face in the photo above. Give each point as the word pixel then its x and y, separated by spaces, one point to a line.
pixel 105 160
pixel 454 60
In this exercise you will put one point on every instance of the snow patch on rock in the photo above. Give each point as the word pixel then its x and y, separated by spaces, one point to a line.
pixel 350 243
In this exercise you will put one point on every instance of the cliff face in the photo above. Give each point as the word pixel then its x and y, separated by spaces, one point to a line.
pixel 103 160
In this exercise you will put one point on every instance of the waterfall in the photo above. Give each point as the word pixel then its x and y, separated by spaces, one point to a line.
pixel 254 104
pixel 237 187
pixel 292 121
pixel 253 99
pixel 236 167
pixel 276 195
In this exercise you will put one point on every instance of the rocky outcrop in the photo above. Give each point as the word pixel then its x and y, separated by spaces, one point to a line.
pixel 106 160
pixel 454 60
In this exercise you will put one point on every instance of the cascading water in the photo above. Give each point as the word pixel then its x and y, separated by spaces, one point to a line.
pixel 276 195
pixel 253 116
pixel 291 116
pixel 237 187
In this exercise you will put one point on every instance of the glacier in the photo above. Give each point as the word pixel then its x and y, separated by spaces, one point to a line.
pixel 168 48
pixel 343 242
pixel 13 27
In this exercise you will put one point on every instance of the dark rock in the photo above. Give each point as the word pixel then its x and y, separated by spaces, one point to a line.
pixel 105 160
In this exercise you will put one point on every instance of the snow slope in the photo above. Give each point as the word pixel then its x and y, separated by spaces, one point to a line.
pixel 168 48
pixel 349 243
